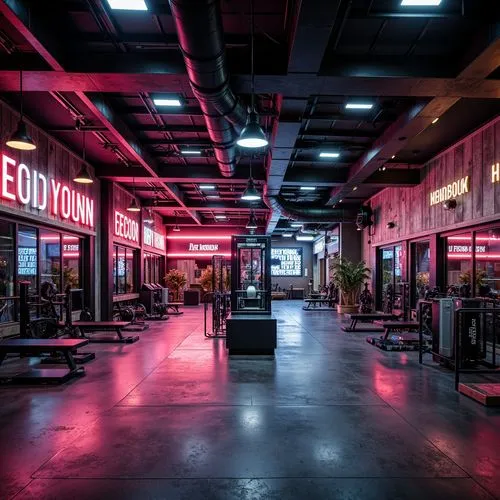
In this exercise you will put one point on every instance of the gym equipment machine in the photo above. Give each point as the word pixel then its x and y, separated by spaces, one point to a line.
pixel 154 298
pixel 219 298
pixel 135 314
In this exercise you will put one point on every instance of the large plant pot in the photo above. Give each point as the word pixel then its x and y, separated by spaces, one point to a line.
pixel 343 309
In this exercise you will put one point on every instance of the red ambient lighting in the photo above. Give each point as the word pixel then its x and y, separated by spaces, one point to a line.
pixel 191 254
pixel 483 256
pixel 203 238
pixel 30 187
pixel 468 238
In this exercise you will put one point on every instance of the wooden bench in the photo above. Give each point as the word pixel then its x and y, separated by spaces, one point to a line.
pixel 43 346
pixel 366 317
pixel 319 302
pixel 406 339
pixel 174 307
pixel 278 295
pixel 87 327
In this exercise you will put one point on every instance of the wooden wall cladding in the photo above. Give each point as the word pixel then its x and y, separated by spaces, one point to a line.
pixel 121 201
pixel 54 161
pixel 410 208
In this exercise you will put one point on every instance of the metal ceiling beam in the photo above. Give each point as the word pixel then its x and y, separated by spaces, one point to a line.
pixel 20 17
pixel 239 206
pixel 296 86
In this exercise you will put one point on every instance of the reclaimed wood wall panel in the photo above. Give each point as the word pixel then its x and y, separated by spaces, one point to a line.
pixel 410 207
pixel 121 201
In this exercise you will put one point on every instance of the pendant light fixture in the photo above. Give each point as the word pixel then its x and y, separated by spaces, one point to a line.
pixel 176 227
pixel 250 193
pixel 133 207
pixel 20 139
pixel 83 176
pixel 149 218
pixel 252 136
pixel 252 222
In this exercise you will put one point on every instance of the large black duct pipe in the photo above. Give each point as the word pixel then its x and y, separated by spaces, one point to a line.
pixel 199 28
pixel 308 213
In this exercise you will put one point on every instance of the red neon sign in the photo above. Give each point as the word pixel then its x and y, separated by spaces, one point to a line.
pixel 198 237
pixel 29 187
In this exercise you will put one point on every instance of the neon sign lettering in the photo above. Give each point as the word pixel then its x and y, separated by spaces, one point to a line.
pixel 495 173
pixel 199 247
pixel 456 188
pixel 153 239
pixel 126 228
pixel 32 188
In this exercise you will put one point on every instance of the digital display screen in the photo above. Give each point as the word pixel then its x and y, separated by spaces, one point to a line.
pixel 286 261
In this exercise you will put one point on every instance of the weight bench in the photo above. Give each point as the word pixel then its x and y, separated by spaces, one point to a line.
pixel 174 308
pixel 43 346
pixel 88 327
pixel 319 302
pixel 366 317
pixel 407 341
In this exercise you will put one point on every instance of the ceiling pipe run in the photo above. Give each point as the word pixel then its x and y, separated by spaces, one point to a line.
pixel 199 28
pixel 308 213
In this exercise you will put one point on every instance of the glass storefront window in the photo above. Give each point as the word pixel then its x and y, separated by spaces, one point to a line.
pixel 71 257
pixel 459 265
pixel 50 258
pixel 488 263
pixel 123 270
pixel 421 260
pixel 7 265
pixel 152 268
pixel 27 256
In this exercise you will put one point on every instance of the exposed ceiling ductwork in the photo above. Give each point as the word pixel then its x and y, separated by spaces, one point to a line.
pixel 308 213
pixel 199 28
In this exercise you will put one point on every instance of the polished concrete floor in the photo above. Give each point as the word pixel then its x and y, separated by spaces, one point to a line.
pixel 170 417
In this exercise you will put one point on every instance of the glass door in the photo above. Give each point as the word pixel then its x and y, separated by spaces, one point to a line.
pixel 390 276
pixel 420 270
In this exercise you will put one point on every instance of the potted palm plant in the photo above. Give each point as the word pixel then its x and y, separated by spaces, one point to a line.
pixel 349 277
pixel 175 280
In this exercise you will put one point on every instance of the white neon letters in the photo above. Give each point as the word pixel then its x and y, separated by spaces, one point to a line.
pixel 30 187
pixel 126 228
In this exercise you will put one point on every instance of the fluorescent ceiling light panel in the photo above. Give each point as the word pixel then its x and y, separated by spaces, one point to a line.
pixel 307 188
pixel 221 217
pixel 207 186
pixel 128 4
pixel 420 3
pixel 190 151
pixel 305 238
pixel 326 154
pixel 287 235
pixel 171 102
pixel 296 224
pixel 213 196
pixel 358 105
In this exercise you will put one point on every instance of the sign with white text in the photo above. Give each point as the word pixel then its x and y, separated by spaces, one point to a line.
pixel 29 187
pixel 286 261
pixel 452 190
pixel 153 239
pixel 126 228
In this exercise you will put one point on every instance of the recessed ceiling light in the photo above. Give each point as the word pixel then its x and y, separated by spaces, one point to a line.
pixel 354 188
pixel 128 4
pixel 326 154
pixel 221 217
pixel 308 188
pixel 304 237
pixel 358 105
pixel 287 235
pixel 420 3
pixel 340 201
pixel 393 156
pixel 171 102
pixel 213 196
pixel 190 152
pixel 435 120
pixel 296 224
pixel 207 186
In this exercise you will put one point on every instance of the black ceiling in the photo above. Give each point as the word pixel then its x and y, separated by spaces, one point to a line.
pixel 85 63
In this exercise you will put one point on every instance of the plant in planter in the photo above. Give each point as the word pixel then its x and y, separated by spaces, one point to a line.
pixel 349 277
pixel 176 280
pixel 206 279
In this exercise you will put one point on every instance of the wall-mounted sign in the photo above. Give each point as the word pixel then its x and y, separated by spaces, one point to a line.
pixel 286 261
pixel 29 187
pixel 26 261
pixel 153 239
pixel 465 248
pixel 495 173
pixel 126 228
pixel 456 188
pixel 319 245
pixel 198 246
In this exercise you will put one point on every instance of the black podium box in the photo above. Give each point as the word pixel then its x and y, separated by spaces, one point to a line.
pixel 251 334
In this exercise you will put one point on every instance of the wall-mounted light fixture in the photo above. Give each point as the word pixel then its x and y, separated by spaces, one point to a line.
pixel 450 204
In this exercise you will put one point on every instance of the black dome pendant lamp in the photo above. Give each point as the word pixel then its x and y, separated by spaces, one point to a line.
pixel 20 139
pixel 252 136
pixel 83 176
